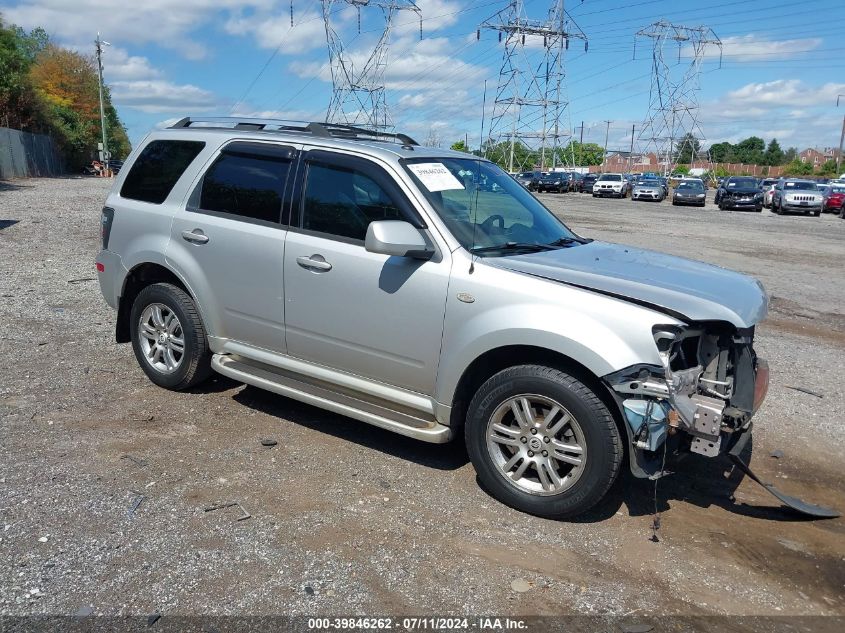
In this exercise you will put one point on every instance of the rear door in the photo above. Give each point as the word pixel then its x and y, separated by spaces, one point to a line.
pixel 229 241
pixel 368 314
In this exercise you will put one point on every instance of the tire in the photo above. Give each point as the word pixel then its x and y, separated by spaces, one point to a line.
pixel 160 304
pixel 586 427
pixel 816 214
pixel 758 209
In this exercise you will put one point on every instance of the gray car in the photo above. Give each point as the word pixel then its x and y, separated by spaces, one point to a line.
pixel 364 274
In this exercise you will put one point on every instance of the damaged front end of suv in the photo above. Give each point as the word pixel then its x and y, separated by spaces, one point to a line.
pixel 702 398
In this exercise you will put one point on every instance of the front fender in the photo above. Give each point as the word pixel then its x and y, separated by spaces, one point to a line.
pixel 602 333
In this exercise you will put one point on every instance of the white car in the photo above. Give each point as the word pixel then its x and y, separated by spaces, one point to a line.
pixel 614 185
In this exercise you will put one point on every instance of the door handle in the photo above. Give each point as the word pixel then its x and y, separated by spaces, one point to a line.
pixel 196 236
pixel 314 264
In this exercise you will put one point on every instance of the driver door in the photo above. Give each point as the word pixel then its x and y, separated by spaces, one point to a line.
pixel 368 314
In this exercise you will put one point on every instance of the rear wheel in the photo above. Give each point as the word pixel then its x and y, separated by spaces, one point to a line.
pixel 542 441
pixel 168 337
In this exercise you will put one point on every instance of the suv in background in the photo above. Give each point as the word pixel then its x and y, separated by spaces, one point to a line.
pixel 555 181
pixel 529 179
pixel 610 185
pixel 588 182
pixel 739 192
pixel 792 195
pixel 425 292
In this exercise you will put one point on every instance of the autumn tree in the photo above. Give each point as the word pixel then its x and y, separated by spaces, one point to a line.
pixel 66 84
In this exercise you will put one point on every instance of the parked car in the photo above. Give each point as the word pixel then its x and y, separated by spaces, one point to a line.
pixel 768 192
pixel 299 259
pixel 739 192
pixel 648 189
pixel 834 199
pixel 576 181
pixel 588 182
pixel 529 179
pixel 664 182
pixel 115 166
pixel 689 191
pixel 613 185
pixel 793 195
pixel 554 181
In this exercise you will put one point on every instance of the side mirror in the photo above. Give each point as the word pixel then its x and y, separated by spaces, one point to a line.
pixel 396 238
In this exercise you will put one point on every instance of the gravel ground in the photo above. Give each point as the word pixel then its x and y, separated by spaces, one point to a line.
pixel 347 518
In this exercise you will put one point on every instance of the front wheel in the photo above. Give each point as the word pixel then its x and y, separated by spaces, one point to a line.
pixel 168 337
pixel 542 441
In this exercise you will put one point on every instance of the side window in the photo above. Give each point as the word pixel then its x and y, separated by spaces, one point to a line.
pixel 250 186
pixel 158 168
pixel 342 202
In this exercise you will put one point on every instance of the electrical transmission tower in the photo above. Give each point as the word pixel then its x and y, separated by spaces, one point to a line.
pixel 673 99
pixel 358 84
pixel 526 124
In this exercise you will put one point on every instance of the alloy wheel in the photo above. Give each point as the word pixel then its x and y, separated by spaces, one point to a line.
pixel 536 444
pixel 161 338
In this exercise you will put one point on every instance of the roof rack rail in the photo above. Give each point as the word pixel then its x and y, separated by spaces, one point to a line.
pixel 324 130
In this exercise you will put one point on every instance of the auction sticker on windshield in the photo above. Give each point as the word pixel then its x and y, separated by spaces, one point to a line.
pixel 435 176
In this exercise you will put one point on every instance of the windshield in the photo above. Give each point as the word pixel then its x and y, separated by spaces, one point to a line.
pixel 611 177
pixel 742 183
pixel 484 218
pixel 837 190
pixel 551 177
pixel 647 183
pixel 803 186
pixel 691 184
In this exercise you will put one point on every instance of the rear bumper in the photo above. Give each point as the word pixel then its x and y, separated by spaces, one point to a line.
pixel 111 276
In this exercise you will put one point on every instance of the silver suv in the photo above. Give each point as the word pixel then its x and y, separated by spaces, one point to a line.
pixel 370 276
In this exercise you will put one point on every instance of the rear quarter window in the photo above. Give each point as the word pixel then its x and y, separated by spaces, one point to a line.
pixel 158 168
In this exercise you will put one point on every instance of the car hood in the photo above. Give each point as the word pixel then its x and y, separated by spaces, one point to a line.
pixel 743 190
pixel 681 287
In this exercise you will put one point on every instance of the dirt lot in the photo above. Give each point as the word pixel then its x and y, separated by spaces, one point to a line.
pixel 347 518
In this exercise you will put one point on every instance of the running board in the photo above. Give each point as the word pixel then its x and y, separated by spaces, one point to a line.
pixel 320 395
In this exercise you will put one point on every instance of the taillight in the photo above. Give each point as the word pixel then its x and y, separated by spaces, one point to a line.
pixel 106 219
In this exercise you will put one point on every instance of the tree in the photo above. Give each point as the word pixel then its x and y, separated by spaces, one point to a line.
pixel 523 157
pixel 721 152
pixel 798 168
pixel 16 95
pixel 774 154
pixel 828 168
pixel 790 155
pixel 750 151
pixel 686 150
pixel 581 154
pixel 66 83
pixel 681 169
pixel 460 146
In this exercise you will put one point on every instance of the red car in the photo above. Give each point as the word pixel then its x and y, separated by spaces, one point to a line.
pixel 834 199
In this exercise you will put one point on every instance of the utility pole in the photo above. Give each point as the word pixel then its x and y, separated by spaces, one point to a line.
pixel 99 44
pixel 606 135
pixel 530 100
pixel 631 153
pixel 358 92
pixel 581 140
pixel 841 139
pixel 673 99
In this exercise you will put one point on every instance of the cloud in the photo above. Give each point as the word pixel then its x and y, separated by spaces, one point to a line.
pixel 163 22
pixel 741 48
pixel 274 30
pixel 781 93
pixel 158 95
pixel 119 65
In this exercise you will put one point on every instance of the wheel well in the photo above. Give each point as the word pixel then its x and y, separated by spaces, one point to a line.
pixel 496 360
pixel 139 278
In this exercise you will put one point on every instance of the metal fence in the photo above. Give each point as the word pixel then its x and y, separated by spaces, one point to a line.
pixel 25 155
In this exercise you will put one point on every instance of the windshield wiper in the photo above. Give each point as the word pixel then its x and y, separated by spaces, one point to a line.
pixel 569 241
pixel 515 246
